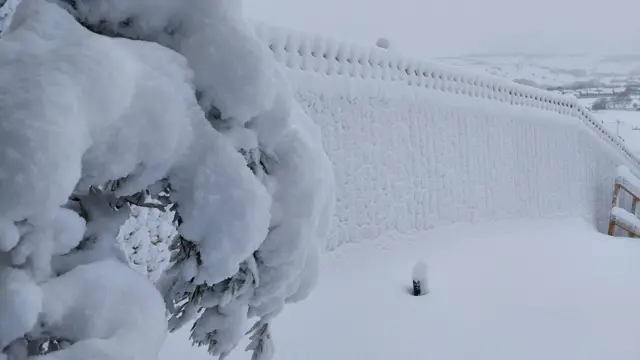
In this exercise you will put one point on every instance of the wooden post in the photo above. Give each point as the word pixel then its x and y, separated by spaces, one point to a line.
pixel 633 211
pixel 612 227
pixel 417 291
pixel 616 195
pixel 614 203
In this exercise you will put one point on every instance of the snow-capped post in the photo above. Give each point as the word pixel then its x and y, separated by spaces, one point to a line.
pixel 419 276
pixel 383 43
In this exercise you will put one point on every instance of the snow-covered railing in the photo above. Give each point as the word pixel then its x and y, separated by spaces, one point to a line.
pixel 313 53
pixel 626 220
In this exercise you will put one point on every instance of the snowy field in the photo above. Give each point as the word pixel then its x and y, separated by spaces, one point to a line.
pixel 535 289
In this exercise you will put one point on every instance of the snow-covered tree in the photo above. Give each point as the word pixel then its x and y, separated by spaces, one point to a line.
pixel 254 109
pixel 201 122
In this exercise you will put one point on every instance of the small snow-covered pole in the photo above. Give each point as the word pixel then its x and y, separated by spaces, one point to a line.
pixel 383 43
pixel 420 284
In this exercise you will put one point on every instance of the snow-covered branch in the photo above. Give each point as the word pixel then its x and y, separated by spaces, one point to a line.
pixel 87 141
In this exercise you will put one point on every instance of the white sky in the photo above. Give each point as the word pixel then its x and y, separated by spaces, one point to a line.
pixel 454 27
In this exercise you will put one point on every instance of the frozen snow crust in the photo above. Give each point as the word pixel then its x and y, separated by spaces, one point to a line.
pixel 417 144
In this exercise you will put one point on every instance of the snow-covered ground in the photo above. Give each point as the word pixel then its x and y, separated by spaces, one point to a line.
pixel 533 289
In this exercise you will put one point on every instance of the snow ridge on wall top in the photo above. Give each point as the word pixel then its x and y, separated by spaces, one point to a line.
pixel 319 54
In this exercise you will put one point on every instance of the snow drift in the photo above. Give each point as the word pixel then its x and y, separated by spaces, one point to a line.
pixel 517 289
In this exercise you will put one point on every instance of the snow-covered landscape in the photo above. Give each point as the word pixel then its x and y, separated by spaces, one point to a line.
pixel 186 181
pixel 557 70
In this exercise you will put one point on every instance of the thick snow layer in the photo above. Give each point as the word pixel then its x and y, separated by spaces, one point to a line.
pixel 626 178
pixel 626 219
pixel 9 235
pixel 242 85
pixel 409 158
pixel 95 87
pixel 233 71
pixel 20 304
pixel 90 124
pixel 106 310
pixel 271 228
pixel 534 289
pixel 224 207
pixel 303 196
pixel 209 27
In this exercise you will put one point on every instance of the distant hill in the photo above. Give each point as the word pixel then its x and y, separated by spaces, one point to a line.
pixel 557 72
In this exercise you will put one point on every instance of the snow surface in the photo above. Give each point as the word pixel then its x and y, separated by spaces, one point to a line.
pixel 626 219
pixel 20 303
pixel 526 289
pixel 91 307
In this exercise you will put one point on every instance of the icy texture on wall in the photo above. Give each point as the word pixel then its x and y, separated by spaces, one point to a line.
pixel 417 144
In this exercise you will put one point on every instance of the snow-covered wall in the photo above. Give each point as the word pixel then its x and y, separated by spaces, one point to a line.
pixel 417 144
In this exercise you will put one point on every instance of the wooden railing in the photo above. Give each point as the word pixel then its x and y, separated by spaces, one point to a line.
pixel 620 218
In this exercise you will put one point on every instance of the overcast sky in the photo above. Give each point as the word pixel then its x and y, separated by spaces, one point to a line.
pixel 454 27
